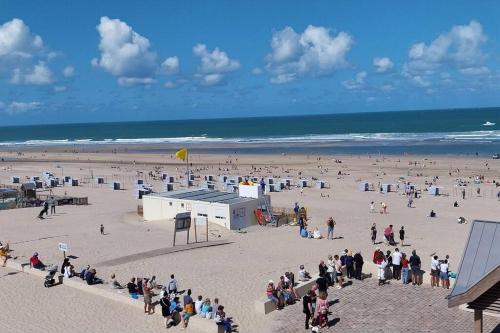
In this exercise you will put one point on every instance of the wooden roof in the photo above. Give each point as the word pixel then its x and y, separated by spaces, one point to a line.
pixel 479 268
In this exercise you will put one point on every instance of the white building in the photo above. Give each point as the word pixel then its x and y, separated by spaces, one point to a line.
pixel 226 209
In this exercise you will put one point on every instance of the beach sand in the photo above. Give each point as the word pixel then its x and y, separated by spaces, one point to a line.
pixel 237 273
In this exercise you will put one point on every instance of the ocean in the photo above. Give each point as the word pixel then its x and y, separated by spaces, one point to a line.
pixel 451 131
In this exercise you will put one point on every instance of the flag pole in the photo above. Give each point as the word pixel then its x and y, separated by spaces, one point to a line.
pixel 187 167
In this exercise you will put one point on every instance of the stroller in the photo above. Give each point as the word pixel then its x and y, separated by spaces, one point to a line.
pixel 49 278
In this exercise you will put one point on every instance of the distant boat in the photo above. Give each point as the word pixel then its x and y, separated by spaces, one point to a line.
pixel 489 124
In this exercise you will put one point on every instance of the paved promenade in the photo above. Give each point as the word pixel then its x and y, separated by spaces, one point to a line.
pixel 365 307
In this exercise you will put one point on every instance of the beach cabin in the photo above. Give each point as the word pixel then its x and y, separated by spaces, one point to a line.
pixel 67 179
pixel 191 177
pixel 302 183
pixel 270 188
pixel 34 178
pixel 14 179
pixel 410 188
pixel 208 185
pixel 116 185
pixel 29 190
pixel 140 181
pixel 38 184
pixel 320 184
pixel 434 190
pixel 386 188
pixel 99 180
pixel 74 182
pixel 223 208
pixel 222 178
pixel 51 182
pixel 140 192
pixel 270 181
pixel 363 187
pixel 8 198
pixel 167 187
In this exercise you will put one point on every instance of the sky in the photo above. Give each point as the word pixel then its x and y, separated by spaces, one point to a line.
pixel 91 61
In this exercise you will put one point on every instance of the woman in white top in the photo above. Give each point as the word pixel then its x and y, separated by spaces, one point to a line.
pixel 381 271
pixel 443 274
pixel 331 269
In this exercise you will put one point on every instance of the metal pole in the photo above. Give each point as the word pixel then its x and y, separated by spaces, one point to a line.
pixel 187 168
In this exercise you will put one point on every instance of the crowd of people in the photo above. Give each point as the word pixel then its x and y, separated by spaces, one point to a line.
pixel 334 272
pixel 173 311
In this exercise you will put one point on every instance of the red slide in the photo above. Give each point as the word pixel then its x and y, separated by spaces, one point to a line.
pixel 260 217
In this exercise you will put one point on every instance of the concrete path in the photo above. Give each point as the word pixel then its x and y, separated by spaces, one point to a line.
pixel 366 307
pixel 159 252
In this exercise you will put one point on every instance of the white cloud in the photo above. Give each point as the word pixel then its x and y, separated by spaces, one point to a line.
pixel 20 107
pixel 387 87
pixel 460 49
pixel 69 71
pixel 257 71
pixel 59 89
pixel 214 65
pixel 170 85
pixel 17 40
pixel 475 70
pixel 314 52
pixel 23 55
pixel 125 53
pixel 383 64
pixel 283 78
pixel 170 65
pixel 134 81
pixel 357 83
pixel 40 74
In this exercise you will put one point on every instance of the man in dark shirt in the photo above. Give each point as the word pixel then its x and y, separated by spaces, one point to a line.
pixel 415 264
pixel 306 301
pixel 322 283
pixel 132 288
pixel 358 265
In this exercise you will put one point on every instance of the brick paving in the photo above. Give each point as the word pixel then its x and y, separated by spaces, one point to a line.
pixel 365 307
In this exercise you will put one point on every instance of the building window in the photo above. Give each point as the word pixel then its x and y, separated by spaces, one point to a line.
pixel 220 217
pixel 170 203
pixel 182 205
pixel 204 215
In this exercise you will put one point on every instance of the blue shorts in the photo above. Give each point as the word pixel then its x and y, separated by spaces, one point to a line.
pixel 444 275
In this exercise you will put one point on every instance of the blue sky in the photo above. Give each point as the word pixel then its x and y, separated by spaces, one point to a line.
pixel 83 61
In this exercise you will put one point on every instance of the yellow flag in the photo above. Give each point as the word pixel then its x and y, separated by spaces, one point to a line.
pixel 182 154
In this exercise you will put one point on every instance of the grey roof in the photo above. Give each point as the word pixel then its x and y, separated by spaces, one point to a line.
pixel 481 256
pixel 204 195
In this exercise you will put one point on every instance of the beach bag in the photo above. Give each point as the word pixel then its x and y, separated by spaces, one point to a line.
pixel 453 275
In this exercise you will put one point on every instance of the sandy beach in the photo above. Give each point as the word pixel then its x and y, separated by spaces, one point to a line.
pixel 236 273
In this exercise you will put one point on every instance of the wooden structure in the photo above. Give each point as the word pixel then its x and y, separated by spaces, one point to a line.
pixel 478 277
pixel 182 222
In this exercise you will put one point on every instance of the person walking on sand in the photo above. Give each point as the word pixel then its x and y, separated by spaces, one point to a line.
pixel 52 205
pixel 384 207
pixel 146 290
pixel 402 236
pixel 463 194
pixel 45 210
pixel 331 225
pixel 372 207
pixel 374 233
pixel 102 229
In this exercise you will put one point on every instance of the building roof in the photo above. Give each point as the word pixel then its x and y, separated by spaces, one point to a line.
pixel 479 268
pixel 6 193
pixel 204 195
